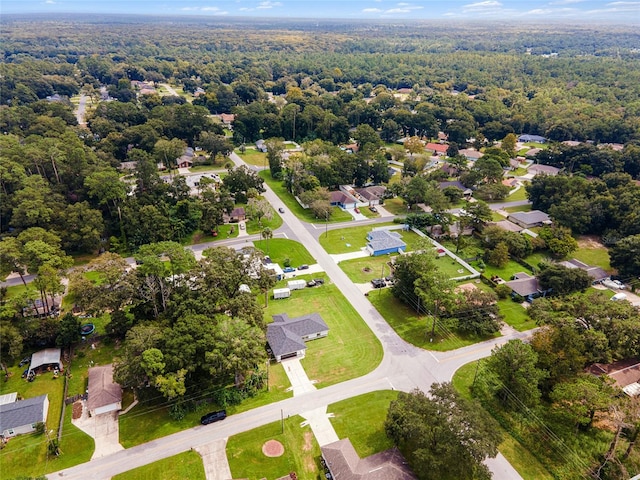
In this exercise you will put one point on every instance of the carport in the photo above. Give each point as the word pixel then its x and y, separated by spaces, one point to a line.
pixel 46 357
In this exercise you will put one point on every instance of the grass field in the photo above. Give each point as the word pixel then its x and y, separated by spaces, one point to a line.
pixel 254 227
pixel 150 418
pixel 520 194
pixel 184 465
pixel 349 351
pixel 253 157
pixel 361 419
pixel 337 215
pixel 592 253
pixel 519 208
pixel 505 272
pixel 395 206
pixel 280 249
pixel 515 315
pixel 363 270
pixel 301 452
pixel 415 328
pixel 519 457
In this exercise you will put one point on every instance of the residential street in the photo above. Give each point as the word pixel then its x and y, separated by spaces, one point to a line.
pixel 404 367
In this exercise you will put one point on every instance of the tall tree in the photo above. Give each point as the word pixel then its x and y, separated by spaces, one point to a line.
pixel 442 435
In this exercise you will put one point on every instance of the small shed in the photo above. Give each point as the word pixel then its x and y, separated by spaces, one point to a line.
pixel 296 284
pixel 104 394
pixel 281 293
pixel 23 416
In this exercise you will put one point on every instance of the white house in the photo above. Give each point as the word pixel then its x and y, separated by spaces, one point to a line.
pixel 287 336
pixel 22 416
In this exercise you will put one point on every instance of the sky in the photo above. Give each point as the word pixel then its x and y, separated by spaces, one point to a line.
pixel 531 11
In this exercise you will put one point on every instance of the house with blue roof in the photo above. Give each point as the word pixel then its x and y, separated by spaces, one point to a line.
pixel 383 242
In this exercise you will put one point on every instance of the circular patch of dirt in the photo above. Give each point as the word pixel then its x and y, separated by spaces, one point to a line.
pixel 77 410
pixel 272 448
pixel 366 269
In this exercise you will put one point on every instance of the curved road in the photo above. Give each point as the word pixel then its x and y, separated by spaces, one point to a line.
pixel 404 367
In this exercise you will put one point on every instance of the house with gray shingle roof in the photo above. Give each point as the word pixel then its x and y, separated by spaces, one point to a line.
pixel 344 463
pixel 287 336
pixel 382 242
pixel 104 394
pixel 22 416
pixel 534 218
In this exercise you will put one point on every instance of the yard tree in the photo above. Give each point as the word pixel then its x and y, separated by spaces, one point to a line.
pixel 414 145
pixel 625 256
pixel 478 213
pixel 442 435
pixel 128 369
pixel 508 144
pixel 172 384
pixel 239 180
pixel 69 330
pixel 214 144
pixel 477 312
pixel 168 151
pixel 275 148
pixel 559 240
pixel 11 342
pixel 105 186
pixel 11 260
pixel 498 256
pixel 562 280
pixel 580 399
pixel 366 137
pixel 511 374
pixel 259 208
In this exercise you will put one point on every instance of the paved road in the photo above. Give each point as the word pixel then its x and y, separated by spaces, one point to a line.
pixel 81 110
pixel 403 367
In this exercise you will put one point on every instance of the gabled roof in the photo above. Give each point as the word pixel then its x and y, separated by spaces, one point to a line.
pixel 456 184
pixel 531 138
pixel 525 286
pixel 373 192
pixel 285 334
pixel 437 147
pixel 470 153
pixel 8 398
pixel 338 196
pixel 47 356
pixel 623 372
pixel 547 169
pixel 237 212
pixel 507 225
pixel 22 412
pixel 102 390
pixel 345 464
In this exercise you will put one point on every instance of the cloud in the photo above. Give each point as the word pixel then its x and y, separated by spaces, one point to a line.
pixel 403 7
pixel 268 5
pixel 214 10
pixel 488 4
pixel 50 2
pixel 371 10
pixel 618 4
pixel 565 2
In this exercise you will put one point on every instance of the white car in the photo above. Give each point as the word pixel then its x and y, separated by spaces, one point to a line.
pixel 619 284
pixel 242 226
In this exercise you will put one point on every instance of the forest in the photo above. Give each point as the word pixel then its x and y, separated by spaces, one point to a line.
pixel 347 92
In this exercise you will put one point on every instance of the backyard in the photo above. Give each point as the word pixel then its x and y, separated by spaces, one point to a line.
pixel 349 351
pixel 253 157
pixel 301 452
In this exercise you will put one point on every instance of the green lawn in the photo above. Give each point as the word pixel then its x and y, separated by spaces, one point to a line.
pixel 415 328
pixel 450 267
pixel 224 232
pixel 254 227
pixel 184 465
pixel 520 194
pixel 518 456
pixel 519 208
pixel 150 419
pixel 352 239
pixel 505 272
pixel 253 157
pixel 279 249
pixel 301 452
pixel 515 315
pixel 337 215
pixel 361 419
pixel 592 254
pixel 349 351
pixel 363 270
pixel 396 206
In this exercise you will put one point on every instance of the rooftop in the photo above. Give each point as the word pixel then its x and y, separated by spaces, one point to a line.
pixel 285 334
pixel 530 218
pixel 22 412
pixel 345 464
pixel 102 389
pixel 384 240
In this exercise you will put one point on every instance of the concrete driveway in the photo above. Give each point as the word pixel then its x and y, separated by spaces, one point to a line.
pixel 214 458
pixel 103 428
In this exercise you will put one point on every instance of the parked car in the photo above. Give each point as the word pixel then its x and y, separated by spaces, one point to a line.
pixel 373 209
pixel 319 281
pixel 613 284
pixel 303 267
pixel 288 269
pixel 242 226
pixel 619 284
pixel 311 283
pixel 357 210
pixel 378 283
pixel 213 417
pixel 281 210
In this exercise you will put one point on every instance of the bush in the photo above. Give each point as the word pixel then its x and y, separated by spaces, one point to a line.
pixel 177 411
pixel 503 291
pixel 40 426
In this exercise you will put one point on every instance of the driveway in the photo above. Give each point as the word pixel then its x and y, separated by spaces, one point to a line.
pixel 103 429
pixel 214 458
